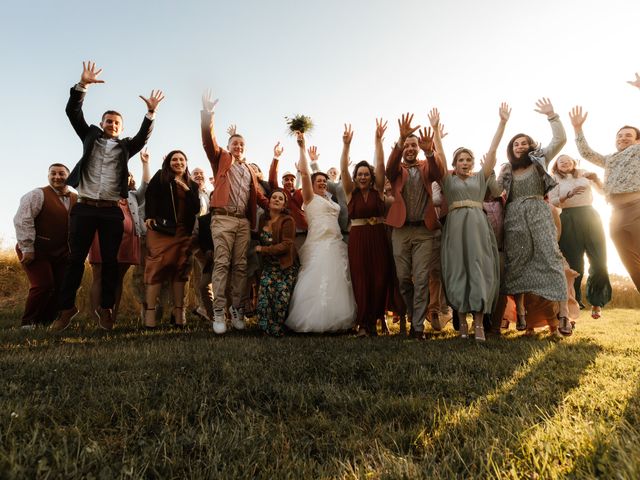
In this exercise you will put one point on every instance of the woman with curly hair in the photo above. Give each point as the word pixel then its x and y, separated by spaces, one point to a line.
pixel 368 247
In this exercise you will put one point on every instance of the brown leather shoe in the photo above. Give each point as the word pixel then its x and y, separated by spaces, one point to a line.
pixel 105 321
pixel 63 320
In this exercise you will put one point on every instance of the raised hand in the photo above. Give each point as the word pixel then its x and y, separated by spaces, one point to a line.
pixel 277 150
pixel 380 129
pixel 313 153
pixel 505 111
pixel 434 118
pixel 347 135
pixel 144 156
pixel 544 106
pixel 300 139
pixel 208 103
pixel 636 82
pixel 90 74
pixel 425 139
pixel 442 132
pixel 232 128
pixel 404 124
pixel 577 117
pixel 154 99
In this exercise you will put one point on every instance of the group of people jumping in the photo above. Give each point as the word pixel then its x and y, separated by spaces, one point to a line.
pixel 332 251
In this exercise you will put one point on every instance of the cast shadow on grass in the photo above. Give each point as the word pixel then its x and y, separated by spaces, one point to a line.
pixel 489 436
pixel 615 451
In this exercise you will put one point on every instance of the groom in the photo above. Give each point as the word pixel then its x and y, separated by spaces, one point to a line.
pixel 413 216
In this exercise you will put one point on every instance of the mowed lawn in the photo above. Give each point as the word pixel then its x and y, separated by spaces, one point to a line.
pixel 188 404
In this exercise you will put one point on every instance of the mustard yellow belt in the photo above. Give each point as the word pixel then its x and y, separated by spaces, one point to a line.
pixel 465 204
pixel 358 222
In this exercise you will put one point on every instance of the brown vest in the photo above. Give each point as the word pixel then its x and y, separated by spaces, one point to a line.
pixel 52 225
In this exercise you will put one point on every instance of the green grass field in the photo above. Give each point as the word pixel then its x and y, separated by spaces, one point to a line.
pixel 188 404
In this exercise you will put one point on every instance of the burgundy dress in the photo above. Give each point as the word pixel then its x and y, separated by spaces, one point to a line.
pixel 368 258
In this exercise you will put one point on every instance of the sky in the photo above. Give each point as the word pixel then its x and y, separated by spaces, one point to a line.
pixel 335 60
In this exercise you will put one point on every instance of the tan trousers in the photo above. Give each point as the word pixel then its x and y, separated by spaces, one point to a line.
pixel 625 233
pixel 437 298
pixel 231 238
pixel 413 249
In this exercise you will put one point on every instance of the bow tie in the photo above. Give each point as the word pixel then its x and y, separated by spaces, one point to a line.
pixel 66 194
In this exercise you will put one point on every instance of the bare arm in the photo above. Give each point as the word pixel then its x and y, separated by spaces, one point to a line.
pixel 347 182
pixel 490 159
pixel 303 164
pixel 434 120
pixel 381 127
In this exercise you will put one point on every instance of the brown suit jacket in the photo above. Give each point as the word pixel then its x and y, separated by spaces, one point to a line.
pixel 397 174
pixel 221 161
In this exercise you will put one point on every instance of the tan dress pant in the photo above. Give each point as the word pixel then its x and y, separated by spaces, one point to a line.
pixel 413 249
pixel 624 228
pixel 231 237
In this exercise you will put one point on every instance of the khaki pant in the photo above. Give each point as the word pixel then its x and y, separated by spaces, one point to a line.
pixel 625 233
pixel 231 238
pixel 413 253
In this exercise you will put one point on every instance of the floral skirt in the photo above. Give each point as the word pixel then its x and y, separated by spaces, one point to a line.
pixel 276 288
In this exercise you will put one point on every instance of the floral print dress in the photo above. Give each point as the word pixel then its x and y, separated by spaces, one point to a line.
pixel 276 287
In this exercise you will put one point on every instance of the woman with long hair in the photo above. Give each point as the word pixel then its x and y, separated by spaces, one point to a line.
pixel 172 204
pixel 582 232
pixel 368 247
pixel 533 262
pixel 277 231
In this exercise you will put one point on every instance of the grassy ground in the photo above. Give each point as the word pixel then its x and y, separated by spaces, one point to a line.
pixel 174 404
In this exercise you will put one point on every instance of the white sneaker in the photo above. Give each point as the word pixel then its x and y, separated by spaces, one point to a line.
pixel 237 318
pixel 219 324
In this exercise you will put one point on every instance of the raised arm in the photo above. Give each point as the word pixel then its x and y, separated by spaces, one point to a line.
pixel 559 137
pixel 303 164
pixel 393 164
pixel 273 169
pixel 490 159
pixel 347 182
pixel 436 136
pixel 74 106
pixel 381 127
pixel 636 82
pixel 577 121
pixel 209 142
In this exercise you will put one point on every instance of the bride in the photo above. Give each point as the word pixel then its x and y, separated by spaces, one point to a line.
pixel 323 298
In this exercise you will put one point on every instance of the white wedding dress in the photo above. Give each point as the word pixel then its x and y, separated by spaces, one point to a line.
pixel 323 298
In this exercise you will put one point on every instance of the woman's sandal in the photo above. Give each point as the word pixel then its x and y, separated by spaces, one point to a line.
pixel 596 312
pixel 464 329
pixel 521 321
pixel 564 327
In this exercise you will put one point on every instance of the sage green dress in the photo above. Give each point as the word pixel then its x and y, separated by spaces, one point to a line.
pixel 470 262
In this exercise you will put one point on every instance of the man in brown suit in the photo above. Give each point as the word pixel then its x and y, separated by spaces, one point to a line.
pixel 413 217
pixel 233 215
pixel 41 225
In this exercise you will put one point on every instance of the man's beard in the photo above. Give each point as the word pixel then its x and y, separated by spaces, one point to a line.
pixel 522 162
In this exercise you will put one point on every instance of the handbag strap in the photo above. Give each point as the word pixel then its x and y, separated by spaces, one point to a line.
pixel 173 203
